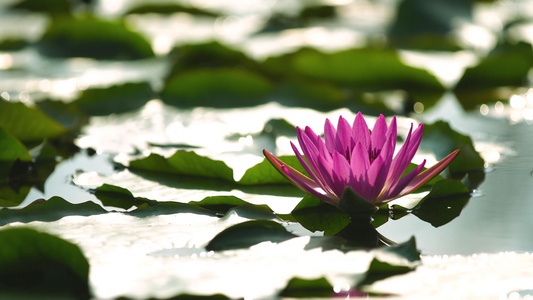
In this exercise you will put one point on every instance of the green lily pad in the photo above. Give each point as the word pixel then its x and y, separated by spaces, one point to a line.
pixel 115 99
pixel 442 140
pixel 94 38
pixel 53 7
pixel 13 195
pixel 364 68
pixel 316 215
pixel 28 124
pixel 115 196
pixel 391 261
pixel 35 265
pixel 304 288
pixel 427 25
pixel 219 204
pixel 11 150
pixel 247 234
pixel 210 55
pixel 168 208
pixel 265 173
pixel 319 95
pixel 49 210
pixel 444 202
pixel 67 115
pixel 166 9
pixel 12 44
pixel 216 88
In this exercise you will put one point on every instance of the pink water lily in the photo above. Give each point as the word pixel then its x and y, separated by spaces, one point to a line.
pixel 358 158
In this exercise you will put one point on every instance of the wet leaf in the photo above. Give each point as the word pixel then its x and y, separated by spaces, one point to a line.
pixel 168 208
pixel 219 204
pixel 94 38
pixel 115 99
pixel 247 234
pixel 11 150
pixel 443 140
pixel 316 215
pixel 307 288
pixel 364 68
pixel 115 196
pixel 54 7
pixel 28 124
pixel 166 9
pixel 210 55
pixel 254 212
pixel 216 88
pixel 444 202
pixel 35 265
pixel 391 261
pixel 49 210
pixel 265 173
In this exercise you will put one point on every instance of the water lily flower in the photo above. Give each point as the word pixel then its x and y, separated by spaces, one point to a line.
pixel 358 158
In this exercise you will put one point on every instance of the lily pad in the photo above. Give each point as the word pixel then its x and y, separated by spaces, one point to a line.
pixel 441 139
pixel 115 196
pixel 166 9
pixel 35 264
pixel 52 209
pixel 11 150
pixel 94 38
pixel 216 88
pixel 28 124
pixel 53 7
pixel 264 173
pixel 363 68
pixel 246 234
pixel 115 99
pixel 316 215
pixel 308 288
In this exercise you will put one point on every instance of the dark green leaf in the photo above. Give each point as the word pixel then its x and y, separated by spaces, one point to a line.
pixel 316 215
pixel 216 88
pixel 168 208
pixel 219 204
pixel 251 211
pixel 307 288
pixel 444 202
pixel 153 162
pixel 91 37
pixel 10 151
pixel 391 261
pixel 443 140
pixel 12 196
pixel 54 7
pixel 49 210
pixel 265 173
pixel 12 44
pixel 114 99
pixel 66 114
pixel 354 205
pixel 115 196
pixel 279 127
pixel 247 234
pixel 28 124
pixel 35 265
pixel 166 9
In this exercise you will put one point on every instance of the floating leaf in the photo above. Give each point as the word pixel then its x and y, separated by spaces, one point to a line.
pixel 10 151
pixel 115 196
pixel 442 140
pixel 307 288
pixel 28 124
pixel 216 88
pixel 444 202
pixel 316 215
pixel 49 210
pixel 367 68
pixel 66 114
pixel 166 9
pixel 391 261
pixel 35 265
pixel 219 204
pixel 168 208
pixel 251 211
pixel 264 173
pixel 211 55
pixel 115 99
pixel 12 44
pixel 94 38
pixel 54 7
pixel 247 234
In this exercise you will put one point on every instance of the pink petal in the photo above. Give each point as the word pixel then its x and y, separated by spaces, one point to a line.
pixel 330 134
pixel 378 134
pixel 428 174
pixel 360 132
pixel 343 138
